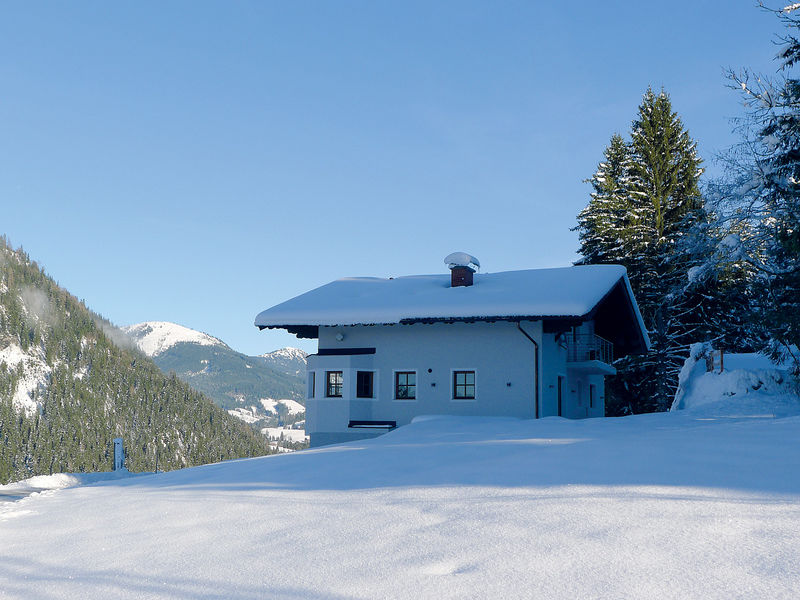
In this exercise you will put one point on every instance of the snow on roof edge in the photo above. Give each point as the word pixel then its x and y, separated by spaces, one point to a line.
pixel 564 292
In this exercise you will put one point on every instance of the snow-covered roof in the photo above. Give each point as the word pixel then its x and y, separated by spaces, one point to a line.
pixel 561 292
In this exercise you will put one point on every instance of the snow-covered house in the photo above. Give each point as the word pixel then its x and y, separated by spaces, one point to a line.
pixel 528 344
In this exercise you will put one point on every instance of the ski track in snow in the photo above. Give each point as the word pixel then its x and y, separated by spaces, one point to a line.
pixel 653 506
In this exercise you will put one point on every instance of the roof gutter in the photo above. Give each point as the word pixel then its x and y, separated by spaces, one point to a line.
pixel 535 369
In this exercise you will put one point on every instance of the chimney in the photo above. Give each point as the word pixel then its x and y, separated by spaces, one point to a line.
pixel 462 266
pixel 460 276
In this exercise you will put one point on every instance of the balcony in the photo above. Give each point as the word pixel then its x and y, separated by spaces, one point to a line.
pixel 591 353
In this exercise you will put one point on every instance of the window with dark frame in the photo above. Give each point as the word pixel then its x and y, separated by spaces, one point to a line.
pixel 405 385
pixel 364 381
pixel 334 387
pixel 312 384
pixel 591 395
pixel 463 385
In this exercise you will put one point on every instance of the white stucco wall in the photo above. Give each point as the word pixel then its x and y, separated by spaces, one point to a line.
pixel 501 356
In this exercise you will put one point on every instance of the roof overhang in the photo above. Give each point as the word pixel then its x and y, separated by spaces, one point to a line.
pixel 426 299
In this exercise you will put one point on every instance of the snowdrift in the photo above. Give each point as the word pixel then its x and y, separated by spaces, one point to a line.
pixel 749 385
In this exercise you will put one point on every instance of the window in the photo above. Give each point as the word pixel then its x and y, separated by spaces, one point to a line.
pixel 364 384
pixel 405 385
pixel 591 395
pixel 334 387
pixel 463 385
pixel 312 383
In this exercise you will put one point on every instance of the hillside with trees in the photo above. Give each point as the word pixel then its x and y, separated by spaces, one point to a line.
pixel 70 382
pixel 231 379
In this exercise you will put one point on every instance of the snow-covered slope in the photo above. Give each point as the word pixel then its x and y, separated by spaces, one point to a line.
pixel 653 506
pixel 35 375
pixel 155 337
pixel 292 407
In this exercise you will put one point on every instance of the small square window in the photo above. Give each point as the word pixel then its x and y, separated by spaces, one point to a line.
pixel 463 385
pixel 312 383
pixel 364 384
pixel 334 385
pixel 405 385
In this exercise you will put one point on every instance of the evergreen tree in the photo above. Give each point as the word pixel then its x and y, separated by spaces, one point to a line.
pixel 602 225
pixel 644 202
pixel 759 203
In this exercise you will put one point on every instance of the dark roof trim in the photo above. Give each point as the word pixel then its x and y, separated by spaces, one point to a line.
pixel 302 331
pixel 344 351
pixel 430 320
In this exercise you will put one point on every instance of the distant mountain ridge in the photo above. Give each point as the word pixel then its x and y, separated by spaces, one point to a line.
pixel 246 386
pixel 288 360
pixel 156 337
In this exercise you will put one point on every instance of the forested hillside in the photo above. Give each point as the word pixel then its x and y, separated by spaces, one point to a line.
pixel 209 365
pixel 245 386
pixel 68 386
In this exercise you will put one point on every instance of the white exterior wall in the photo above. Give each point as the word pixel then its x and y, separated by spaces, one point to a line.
pixel 575 381
pixel 577 406
pixel 501 356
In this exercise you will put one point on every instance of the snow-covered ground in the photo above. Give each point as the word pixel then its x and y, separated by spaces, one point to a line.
pixel 292 406
pixel 292 435
pixel 749 384
pixel 252 414
pixel 652 506
pixel 247 414
pixel 49 483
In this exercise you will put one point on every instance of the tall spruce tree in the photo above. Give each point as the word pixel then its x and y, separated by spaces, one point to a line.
pixel 655 202
pixel 605 220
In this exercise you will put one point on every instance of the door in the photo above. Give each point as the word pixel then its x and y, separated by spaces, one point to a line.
pixel 560 394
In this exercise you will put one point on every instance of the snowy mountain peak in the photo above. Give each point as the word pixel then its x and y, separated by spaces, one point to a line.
pixel 155 337
pixel 288 360
pixel 287 353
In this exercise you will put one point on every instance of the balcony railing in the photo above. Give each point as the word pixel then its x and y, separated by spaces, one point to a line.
pixel 586 346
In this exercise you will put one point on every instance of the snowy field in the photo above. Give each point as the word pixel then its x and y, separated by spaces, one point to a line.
pixel 654 506
pixel 292 435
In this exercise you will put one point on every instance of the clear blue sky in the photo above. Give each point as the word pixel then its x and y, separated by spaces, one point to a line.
pixel 198 162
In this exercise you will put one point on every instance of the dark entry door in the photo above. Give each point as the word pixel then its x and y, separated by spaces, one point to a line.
pixel 560 394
